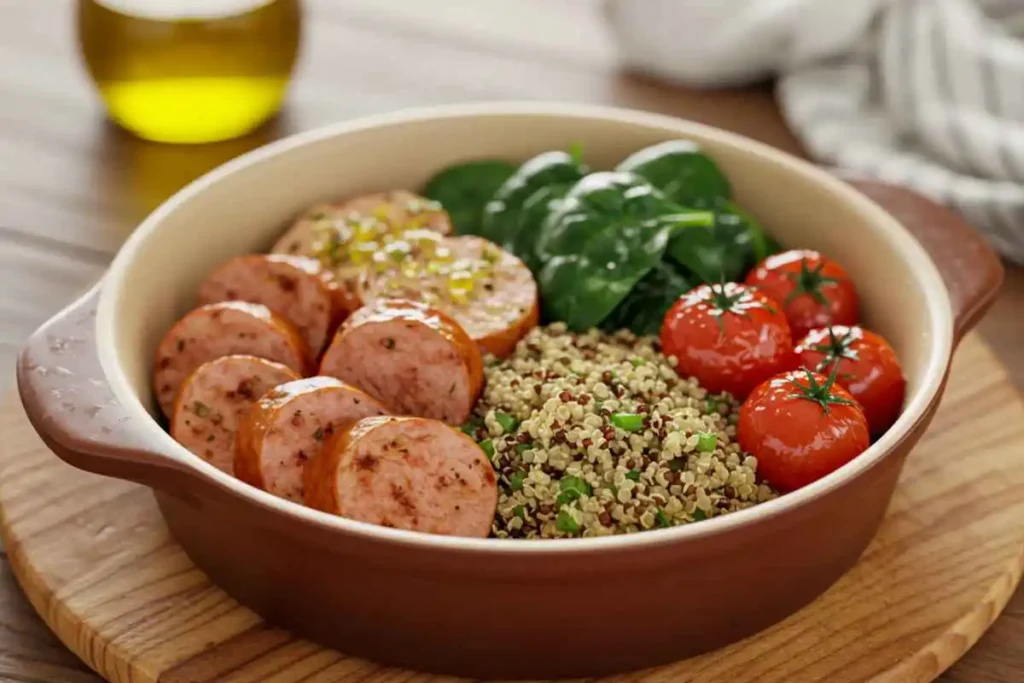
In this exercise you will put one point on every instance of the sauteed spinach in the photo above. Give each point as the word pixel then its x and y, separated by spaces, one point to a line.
pixel 609 248
pixel 729 247
pixel 465 189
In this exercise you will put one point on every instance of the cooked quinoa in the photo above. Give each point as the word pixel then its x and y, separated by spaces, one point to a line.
pixel 595 434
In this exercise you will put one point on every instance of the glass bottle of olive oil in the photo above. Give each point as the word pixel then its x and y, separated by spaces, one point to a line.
pixel 190 71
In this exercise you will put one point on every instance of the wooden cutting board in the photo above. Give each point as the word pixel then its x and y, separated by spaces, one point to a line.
pixel 97 563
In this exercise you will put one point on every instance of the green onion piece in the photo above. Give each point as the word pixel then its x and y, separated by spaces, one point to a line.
pixel 488 447
pixel 637 361
pixel 699 515
pixel 515 482
pixel 472 424
pixel 711 404
pixel 517 511
pixel 707 441
pixel 629 422
pixel 523 447
pixel 507 422
pixel 662 518
pixel 574 486
pixel 633 474
pixel 565 523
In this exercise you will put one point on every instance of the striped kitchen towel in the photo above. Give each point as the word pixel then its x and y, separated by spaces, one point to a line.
pixel 928 94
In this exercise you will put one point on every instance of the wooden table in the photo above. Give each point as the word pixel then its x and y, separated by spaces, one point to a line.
pixel 72 187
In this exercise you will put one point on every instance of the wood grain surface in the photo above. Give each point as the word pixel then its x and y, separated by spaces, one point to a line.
pixel 72 187
pixel 96 560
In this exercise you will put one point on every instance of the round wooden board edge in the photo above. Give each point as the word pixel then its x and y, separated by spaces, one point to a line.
pixel 922 666
pixel 932 660
pixel 57 616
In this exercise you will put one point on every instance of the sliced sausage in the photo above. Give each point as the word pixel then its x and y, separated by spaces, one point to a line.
pixel 414 359
pixel 490 292
pixel 408 473
pixel 288 425
pixel 295 287
pixel 214 398
pixel 223 329
pixel 344 236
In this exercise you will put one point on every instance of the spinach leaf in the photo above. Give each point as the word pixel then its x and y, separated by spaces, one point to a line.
pixel 531 220
pixel 502 215
pixel 683 173
pixel 607 233
pixel 464 189
pixel 689 177
pixel 644 308
pixel 724 251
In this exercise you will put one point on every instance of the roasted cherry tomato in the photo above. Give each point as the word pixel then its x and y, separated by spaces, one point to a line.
pixel 801 426
pixel 868 369
pixel 729 337
pixel 813 290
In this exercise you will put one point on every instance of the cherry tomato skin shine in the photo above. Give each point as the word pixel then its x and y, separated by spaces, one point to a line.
pixel 813 290
pixel 868 369
pixel 730 337
pixel 797 439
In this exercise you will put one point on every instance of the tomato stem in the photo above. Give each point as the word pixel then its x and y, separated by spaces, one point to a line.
pixel 809 281
pixel 723 302
pixel 835 350
pixel 820 393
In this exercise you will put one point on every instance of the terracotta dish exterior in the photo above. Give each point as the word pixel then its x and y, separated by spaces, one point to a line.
pixel 488 607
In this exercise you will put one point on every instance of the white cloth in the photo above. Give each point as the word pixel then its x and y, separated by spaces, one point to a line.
pixel 928 94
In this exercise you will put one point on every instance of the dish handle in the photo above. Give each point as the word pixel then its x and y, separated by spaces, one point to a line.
pixel 71 406
pixel 971 269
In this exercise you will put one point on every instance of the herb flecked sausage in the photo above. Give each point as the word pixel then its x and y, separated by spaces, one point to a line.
pixel 344 235
pixel 407 473
pixel 288 426
pixel 295 287
pixel 215 397
pixel 223 329
pixel 488 291
pixel 413 358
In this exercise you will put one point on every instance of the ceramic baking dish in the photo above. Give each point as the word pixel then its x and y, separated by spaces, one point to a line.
pixel 490 607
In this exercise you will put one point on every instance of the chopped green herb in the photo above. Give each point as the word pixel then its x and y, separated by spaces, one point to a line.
pixel 200 409
pixel 488 447
pixel 518 511
pixel 706 442
pixel 662 519
pixel 523 447
pixel 472 424
pixel 319 434
pixel 711 404
pixel 565 522
pixel 389 343
pixel 699 515
pixel 572 488
pixel 637 361
pixel 515 482
pixel 630 422
pixel 507 422
pixel 633 475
